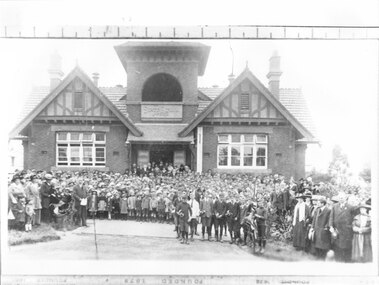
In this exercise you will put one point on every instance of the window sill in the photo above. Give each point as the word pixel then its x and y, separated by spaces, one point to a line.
pixel 76 168
pixel 243 170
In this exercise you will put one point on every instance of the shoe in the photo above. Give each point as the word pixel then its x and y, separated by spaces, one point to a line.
pixel 182 242
pixel 196 234
pixel 203 238
pixel 231 242
pixel 244 244
pixel 262 251
pixel 187 242
pixel 221 241
pixel 191 239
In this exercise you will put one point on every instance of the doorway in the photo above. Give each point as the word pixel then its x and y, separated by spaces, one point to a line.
pixel 166 156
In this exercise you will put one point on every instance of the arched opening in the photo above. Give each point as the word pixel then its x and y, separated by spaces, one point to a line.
pixel 162 87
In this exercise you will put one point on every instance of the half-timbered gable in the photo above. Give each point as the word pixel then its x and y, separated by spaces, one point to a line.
pixel 245 101
pixel 77 100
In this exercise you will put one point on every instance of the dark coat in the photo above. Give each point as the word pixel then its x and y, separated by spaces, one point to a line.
pixel 219 207
pixel 79 193
pixel 184 208
pixel 300 229
pixel 207 207
pixel 342 219
pixel 286 199
pixel 46 191
pixel 320 224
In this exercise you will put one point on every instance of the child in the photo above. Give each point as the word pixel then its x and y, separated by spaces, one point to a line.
pixel 261 220
pixel 29 209
pixel 153 207
pixel 102 205
pixel 139 208
pixel 20 213
pixel 145 207
pixel 93 203
pixel 124 207
pixel 161 208
pixel 132 204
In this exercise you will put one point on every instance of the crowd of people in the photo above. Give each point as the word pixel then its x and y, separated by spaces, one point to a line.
pixel 241 205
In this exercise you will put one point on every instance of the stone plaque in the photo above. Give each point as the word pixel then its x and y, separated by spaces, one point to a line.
pixel 161 111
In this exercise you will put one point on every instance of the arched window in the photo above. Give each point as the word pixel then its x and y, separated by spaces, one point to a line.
pixel 162 87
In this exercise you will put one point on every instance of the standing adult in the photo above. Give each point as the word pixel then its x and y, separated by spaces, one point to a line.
pixel 81 202
pixel 195 208
pixel 206 209
pixel 362 248
pixel 184 212
pixel 301 215
pixel 320 228
pixel 219 211
pixel 46 191
pixel 33 193
pixel 340 222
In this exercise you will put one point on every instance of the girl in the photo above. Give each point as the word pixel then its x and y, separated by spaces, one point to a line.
pixel 29 209
pixel 362 248
pixel 124 207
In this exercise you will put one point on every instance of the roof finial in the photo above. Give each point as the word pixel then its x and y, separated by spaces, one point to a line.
pixel 247 64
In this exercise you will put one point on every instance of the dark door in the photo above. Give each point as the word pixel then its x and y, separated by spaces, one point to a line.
pixel 166 156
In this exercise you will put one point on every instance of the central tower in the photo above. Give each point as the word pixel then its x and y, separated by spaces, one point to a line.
pixel 162 79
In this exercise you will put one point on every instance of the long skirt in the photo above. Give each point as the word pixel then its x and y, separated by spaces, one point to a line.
pixel 362 248
pixel 37 217
pixel 299 234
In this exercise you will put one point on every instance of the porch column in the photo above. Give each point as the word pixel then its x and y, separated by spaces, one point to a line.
pixel 199 148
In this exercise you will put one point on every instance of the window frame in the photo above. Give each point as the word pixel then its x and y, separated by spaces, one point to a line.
pixel 70 144
pixel 241 145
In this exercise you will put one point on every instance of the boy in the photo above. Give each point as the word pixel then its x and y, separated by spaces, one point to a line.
pixel 29 209
pixel 184 212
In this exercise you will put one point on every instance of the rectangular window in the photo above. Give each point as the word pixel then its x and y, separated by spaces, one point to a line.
pixel 78 100
pixel 223 155
pixel 245 102
pixel 242 151
pixel 80 149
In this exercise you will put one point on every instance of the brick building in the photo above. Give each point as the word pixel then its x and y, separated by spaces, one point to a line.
pixel 162 115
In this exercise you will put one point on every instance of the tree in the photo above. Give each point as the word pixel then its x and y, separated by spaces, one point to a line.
pixel 339 167
pixel 366 174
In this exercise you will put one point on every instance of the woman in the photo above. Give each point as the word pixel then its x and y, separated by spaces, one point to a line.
pixel 301 215
pixel 33 193
pixel 362 248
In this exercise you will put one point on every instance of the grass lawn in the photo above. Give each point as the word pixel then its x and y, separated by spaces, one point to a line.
pixel 42 233
pixel 283 251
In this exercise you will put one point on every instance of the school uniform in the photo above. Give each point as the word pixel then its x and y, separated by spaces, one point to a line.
pixel 139 208
pixel 206 208
pixel 219 211
pixel 132 205
pixel 145 207
pixel 184 212
pixel 80 194
pixel 195 208
pixel 124 207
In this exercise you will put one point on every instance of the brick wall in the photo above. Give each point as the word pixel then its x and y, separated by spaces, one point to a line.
pixel 281 149
pixel 41 150
pixel 300 151
pixel 116 150
pixel 185 72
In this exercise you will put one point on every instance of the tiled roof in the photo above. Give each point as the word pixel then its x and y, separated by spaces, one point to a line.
pixel 116 95
pixel 291 98
pixel 212 92
pixel 295 103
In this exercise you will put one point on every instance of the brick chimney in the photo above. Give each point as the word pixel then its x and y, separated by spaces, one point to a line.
pixel 274 74
pixel 95 78
pixel 55 70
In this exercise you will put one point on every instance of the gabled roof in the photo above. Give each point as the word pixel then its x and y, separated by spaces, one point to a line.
pixel 46 100
pixel 247 74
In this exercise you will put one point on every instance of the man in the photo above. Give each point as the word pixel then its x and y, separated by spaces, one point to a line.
pixel 235 214
pixel 184 212
pixel 219 212
pixel 229 218
pixel 80 197
pixel 46 191
pixel 320 228
pixel 206 209
pixel 340 222
pixel 195 208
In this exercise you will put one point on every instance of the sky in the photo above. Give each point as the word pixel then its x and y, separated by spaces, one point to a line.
pixel 338 78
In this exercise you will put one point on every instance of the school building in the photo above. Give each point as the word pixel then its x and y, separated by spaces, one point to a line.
pixel 162 115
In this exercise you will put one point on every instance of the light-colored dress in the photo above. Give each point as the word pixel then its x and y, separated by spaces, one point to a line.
pixel 362 248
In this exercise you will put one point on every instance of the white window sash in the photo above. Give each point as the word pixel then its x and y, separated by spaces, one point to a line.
pixel 88 144
pixel 241 145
